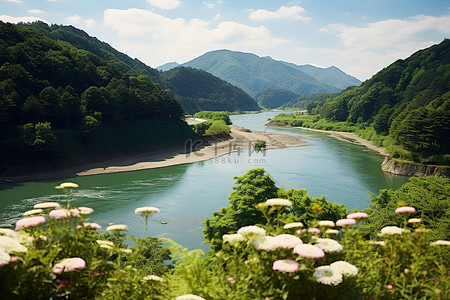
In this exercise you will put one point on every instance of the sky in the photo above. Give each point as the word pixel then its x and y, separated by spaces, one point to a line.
pixel 359 37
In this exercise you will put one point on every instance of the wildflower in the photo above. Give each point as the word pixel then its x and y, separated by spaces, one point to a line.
pixel 231 279
pixel 332 231
pixel 8 232
pixel 414 220
pixel 69 265
pixel 153 278
pixel 405 209
pixel 381 243
pixel 265 243
pixel 293 225
pixel 345 268
pixel 33 212
pixel 63 213
pixel 440 243
pixel 45 205
pixel 329 245
pixel 392 230
pixel 326 223
pixel 345 222
pixel 233 239
pixel 11 245
pixel 90 226
pixel 5 258
pixel 327 275
pixel 357 215
pixel 67 185
pixel 389 287
pixel 314 230
pixel 316 208
pixel 107 247
pixel 14 259
pixel 285 265
pixel 278 202
pixel 118 227
pixel 97 273
pixel 85 210
pixel 146 210
pixel 309 251
pixel 252 233
pixel 287 241
pixel 29 222
pixel 189 297
pixel 103 242
pixel 127 251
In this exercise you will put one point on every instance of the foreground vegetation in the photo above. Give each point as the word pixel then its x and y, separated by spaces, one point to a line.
pixel 297 247
pixel 214 115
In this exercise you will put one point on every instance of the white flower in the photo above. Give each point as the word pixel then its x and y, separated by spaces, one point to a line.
pixel 105 246
pixel 146 210
pixel 381 243
pixel 345 268
pixel 287 241
pixel 414 220
pixel 265 243
pixel 278 202
pixel 327 275
pixel 124 250
pixel 252 233
pixel 326 223
pixel 392 230
pixel 8 232
pixel 233 239
pixel 329 245
pixel 332 231
pixel 189 297
pixel 5 258
pixel 103 242
pixel 293 225
pixel 118 227
pixel 10 245
pixel 33 212
pixel 153 277
pixel 67 185
pixel 440 243
pixel 45 205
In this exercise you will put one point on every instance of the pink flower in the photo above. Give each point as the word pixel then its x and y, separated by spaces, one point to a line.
pixel 345 222
pixel 357 215
pixel 405 209
pixel 29 222
pixel 69 265
pixel 85 210
pixel 309 251
pixel 314 230
pixel 97 273
pixel 389 287
pixel 285 265
pixel 63 213
pixel 14 259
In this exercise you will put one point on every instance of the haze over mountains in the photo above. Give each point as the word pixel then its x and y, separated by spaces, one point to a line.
pixel 255 74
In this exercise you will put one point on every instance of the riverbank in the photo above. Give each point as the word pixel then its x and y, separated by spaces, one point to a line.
pixel 193 151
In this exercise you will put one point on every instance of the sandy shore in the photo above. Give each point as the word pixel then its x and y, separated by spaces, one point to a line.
pixel 241 139
pixel 351 138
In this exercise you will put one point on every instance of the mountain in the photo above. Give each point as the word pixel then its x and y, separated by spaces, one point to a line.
pixel 406 106
pixel 331 75
pixel 254 74
pixel 198 90
pixel 61 102
pixel 168 66
pixel 307 101
pixel 274 98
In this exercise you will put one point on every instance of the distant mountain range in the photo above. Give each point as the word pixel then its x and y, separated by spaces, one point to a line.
pixel 256 75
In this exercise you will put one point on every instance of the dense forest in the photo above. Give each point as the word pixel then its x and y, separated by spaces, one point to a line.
pixel 198 90
pixel 404 107
pixel 274 98
pixel 48 85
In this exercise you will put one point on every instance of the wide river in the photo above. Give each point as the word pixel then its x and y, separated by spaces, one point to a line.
pixel 187 194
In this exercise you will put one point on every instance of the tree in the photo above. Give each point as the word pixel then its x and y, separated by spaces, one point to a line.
pixel 39 137
pixel 93 100
pixel 254 187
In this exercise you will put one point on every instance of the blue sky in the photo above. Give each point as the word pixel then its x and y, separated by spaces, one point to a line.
pixel 359 37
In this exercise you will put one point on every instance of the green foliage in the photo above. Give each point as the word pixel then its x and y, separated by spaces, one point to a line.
pixel 39 137
pixel 214 115
pixel 218 127
pixel 408 101
pixel 259 145
pixel 200 91
pixel 429 195
pixel 274 98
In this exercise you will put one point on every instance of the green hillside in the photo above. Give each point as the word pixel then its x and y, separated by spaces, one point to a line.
pixel 50 90
pixel 274 98
pixel 198 90
pixel 254 74
pixel 404 107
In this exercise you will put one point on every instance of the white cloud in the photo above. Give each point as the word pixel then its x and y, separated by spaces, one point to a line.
pixel 79 21
pixel 284 12
pixel 15 20
pixel 367 49
pixel 217 17
pixel 75 19
pixel 164 4
pixel 89 23
pixel 36 11
pixel 14 1
pixel 156 39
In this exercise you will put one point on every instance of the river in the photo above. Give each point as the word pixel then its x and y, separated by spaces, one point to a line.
pixel 187 194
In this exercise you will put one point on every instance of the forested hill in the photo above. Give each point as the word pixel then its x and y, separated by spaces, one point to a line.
pixel 199 90
pixel 406 104
pixel 47 86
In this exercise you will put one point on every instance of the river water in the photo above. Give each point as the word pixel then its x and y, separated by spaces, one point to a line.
pixel 187 194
